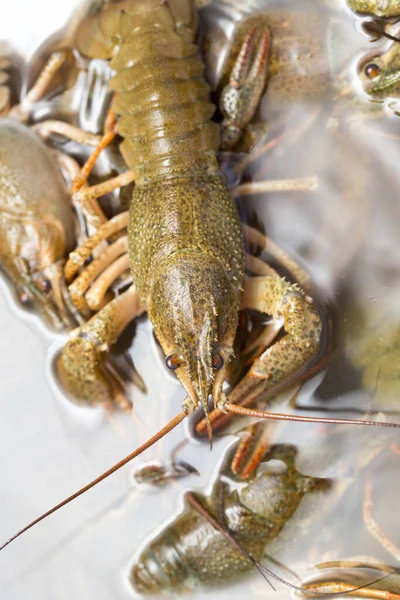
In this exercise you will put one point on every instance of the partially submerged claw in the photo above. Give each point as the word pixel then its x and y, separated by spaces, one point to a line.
pixel 281 362
pixel 84 368
pixel 157 474
pixel 241 97
pixel 84 373
pixel 160 476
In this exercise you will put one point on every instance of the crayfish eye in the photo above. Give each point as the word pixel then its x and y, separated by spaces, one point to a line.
pixel 44 285
pixel 372 71
pixel 217 362
pixel 172 361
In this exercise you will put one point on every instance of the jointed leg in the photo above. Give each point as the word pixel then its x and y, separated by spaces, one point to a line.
pixel 96 294
pixel 89 164
pixel 255 236
pixel 78 257
pixel 281 362
pixel 82 366
pixel 253 446
pixel 373 527
pixel 5 93
pixel 301 184
pixel 46 128
pixel 22 111
pixel 89 274
pixel 87 196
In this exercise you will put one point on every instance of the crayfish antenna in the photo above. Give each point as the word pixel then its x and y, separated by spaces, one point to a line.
pixel 260 414
pixel 160 434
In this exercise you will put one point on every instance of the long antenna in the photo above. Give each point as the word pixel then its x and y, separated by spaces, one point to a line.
pixel 232 408
pixel 160 434
pixel 260 414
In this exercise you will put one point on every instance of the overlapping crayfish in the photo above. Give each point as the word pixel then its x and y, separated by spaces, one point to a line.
pixel 179 250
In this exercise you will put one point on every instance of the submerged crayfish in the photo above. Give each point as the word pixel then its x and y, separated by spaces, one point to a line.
pixel 254 515
pixel 185 243
pixel 38 226
pixel 218 538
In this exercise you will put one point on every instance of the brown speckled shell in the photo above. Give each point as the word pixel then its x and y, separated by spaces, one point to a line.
pixel 181 205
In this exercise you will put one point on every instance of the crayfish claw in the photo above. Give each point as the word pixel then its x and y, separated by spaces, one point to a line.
pixel 86 376
pixel 241 97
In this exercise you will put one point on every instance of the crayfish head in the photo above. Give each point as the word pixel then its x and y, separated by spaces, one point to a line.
pixel 194 311
pixel 32 256
pixel 42 289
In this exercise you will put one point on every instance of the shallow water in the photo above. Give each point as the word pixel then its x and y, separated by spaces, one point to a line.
pixel 346 234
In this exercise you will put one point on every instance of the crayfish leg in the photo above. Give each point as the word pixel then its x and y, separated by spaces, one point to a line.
pixel 97 294
pixel 254 236
pixel 254 444
pixel 106 258
pixel 78 257
pixel 291 354
pixel 373 527
pixel 277 366
pixel 21 112
pixel 82 366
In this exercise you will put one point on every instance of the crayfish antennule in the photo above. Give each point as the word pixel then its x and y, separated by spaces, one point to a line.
pixel 160 434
